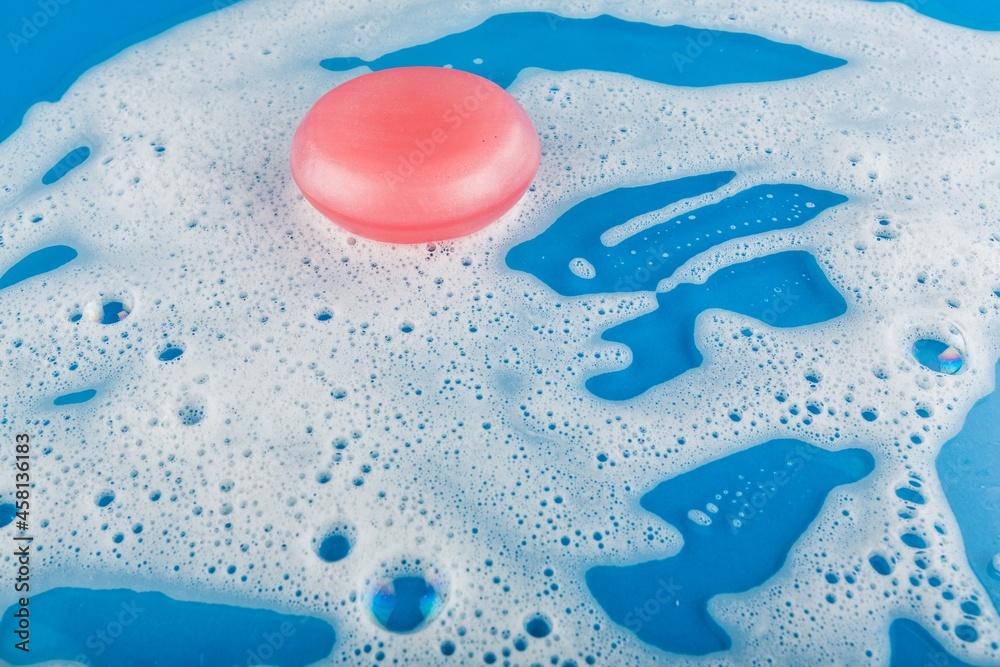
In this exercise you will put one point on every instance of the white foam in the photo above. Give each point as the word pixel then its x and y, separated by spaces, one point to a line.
pixel 212 246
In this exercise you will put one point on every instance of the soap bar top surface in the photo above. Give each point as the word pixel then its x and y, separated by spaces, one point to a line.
pixel 415 154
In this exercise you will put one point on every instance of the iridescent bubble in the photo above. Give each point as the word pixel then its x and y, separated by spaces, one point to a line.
pixel 994 566
pixel 8 511
pixel 937 356
pixel 405 602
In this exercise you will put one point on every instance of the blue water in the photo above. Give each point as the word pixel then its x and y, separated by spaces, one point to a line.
pixel 7 513
pixel 978 14
pixel 404 603
pixel 577 232
pixel 666 54
pixel 66 164
pixel 170 352
pixel 937 356
pixel 37 263
pixel 47 44
pixel 783 483
pixel 44 53
pixel 787 289
pixel 113 312
pixel 913 646
pixel 75 397
pixel 81 33
pixel 642 260
pixel 969 468
pixel 334 547
pixel 123 628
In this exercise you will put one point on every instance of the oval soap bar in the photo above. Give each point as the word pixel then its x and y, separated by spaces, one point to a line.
pixel 415 154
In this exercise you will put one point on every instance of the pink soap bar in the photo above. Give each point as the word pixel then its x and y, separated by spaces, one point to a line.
pixel 415 154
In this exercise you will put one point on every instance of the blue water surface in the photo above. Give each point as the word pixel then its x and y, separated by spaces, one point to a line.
pixel 765 498
pixel 48 44
pixel 75 397
pixel 37 263
pixel 666 54
pixel 123 628
pixel 787 289
pixel 7 513
pixel 405 603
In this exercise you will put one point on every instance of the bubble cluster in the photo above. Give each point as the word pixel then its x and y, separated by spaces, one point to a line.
pixel 263 381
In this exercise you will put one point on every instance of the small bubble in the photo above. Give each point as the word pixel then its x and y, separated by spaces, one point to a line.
pixel 106 312
pixel 191 415
pixel 170 352
pixel 538 627
pixel 334 547
pixel 880 564
pixel 966 633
